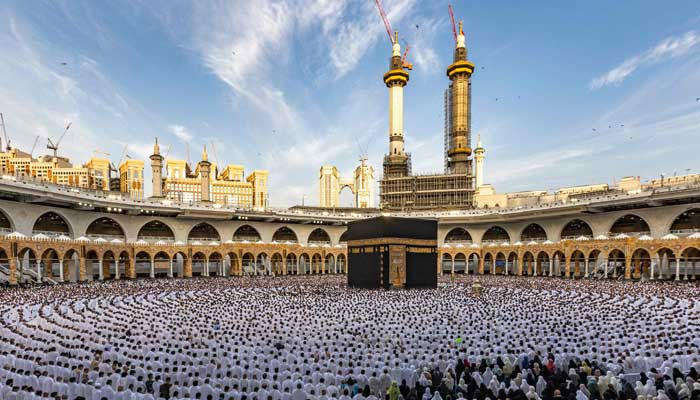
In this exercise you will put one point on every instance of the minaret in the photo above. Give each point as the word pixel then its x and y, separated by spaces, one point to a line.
pixel 204 169
pixel 157 171
pixel 460 72
pixel 396 162
pixel 479 163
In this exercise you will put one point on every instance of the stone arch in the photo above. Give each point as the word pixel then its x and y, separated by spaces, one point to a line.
pixel 203 232
pixel 285 234
pixel 215 264
pixel 577 264
pixel 458 235
pixel 142 264
pixel 53 224
pixel 533 232
pixel 234 264
pixel 641 264
pixel 686 222
pixel 50 260
pixel 291 264
pixel 127 263
pixel 460 262
pixel 499 264
pixel 6 223
pixel 473 259
pixel 246 233
pixel 319 236
pixel 92 264
pixel 690 260
pixel 156 230
pixel 446 263
pixel 629 224
pixel 277 264
pixel 488 263
pixel 199 260
pixel 71 265
pixel 559 263
pixel 248 263
pixel 576 228
pixel 262 263
pixel 495 234
pixel 344 237
pixel 542 263
pixel 617 262
pixel 342 262
pixel 106 228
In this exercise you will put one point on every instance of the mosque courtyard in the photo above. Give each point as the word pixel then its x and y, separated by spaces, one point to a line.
pixel 312 338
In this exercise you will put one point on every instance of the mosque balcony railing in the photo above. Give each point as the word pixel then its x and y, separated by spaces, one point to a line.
pixel 502 242
pixel 51 234
pixel 613 235
pixel 203 241
pixel 465 242
pixel 106 237
pixel 4 231
pixel 685 232
pixel 156 239
pixel 575 237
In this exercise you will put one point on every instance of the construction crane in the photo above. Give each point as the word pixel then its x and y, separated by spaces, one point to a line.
pixel 33 146
pixel 386 21
pixel 98 151
pixel 54 146
pixel 111 165
pixel 405 63
pixel 7 141
pixel 452 18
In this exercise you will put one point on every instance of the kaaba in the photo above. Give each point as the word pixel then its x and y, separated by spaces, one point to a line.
pixel 392 252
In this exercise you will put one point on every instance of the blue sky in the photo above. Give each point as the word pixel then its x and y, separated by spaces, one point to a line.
pixel 291 85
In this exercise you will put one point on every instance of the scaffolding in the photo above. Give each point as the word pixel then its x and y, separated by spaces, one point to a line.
pixel 427 192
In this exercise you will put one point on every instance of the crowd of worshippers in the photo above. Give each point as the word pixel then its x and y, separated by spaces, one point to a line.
pixel 310 337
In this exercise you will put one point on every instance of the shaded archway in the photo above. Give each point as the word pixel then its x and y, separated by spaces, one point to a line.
pixel 543 264
pixel 51 224
pixel 641 264
pixel 246 233
pixel 92 265
pixel 687 222
pixel 495 234
pixel 142 264
pixel 629 224
pixel 512 264
pixel 156 231
pixel 460 262
pixel 199 261
pixel 690 263
pixel 304 264
pixel 488 263
pixel 277 264
pixel 616 263
pixel 666 263
pixel 234 268
pixel 576 228
pixel 596 264
pixel 108 265
pixel 458 235
pixel 316 263
pixel 71 266
pixel 248 264
pixel 342 264
pixel 559 263
pixel 528 267
pixel 105 228
pixel 285 235
pixel 204 233
pixel 215 264
pixel 291 263
pixel 577 264
pixel 262 265
pixel 319 236
pixel 161 263
pixel 27 265
pixel 533 232
pixel 446 263
pixel 499 265
pixel 51 264
pixel 6 225
pixel 343 238
pixel 329 264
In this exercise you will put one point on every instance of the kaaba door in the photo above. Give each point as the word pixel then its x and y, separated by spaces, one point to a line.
pixel 397 266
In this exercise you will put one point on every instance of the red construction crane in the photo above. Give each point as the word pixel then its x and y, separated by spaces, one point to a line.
pixel 386 21
pixel 452 18
pixel 404 63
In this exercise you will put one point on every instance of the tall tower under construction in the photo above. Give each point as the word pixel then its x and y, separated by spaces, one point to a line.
pixel 460 72
pixel 396 163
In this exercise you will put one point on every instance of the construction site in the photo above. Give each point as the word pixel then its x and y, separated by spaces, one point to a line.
pixel 400 190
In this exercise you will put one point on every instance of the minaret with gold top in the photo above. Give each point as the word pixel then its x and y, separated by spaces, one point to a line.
pixel 460 72
pixel 396 162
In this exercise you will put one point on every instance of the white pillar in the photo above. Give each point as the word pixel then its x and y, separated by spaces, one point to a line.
pixel 536 262
pixel 506 273
pixel 101 272
pixel 586 266
pixel 653 265
pixel 685 273
pixel 606 268
pixel 453 266
pixel 551 267
pixel 153 269
pixel 170 269
pixel 678 268
pixel 60 270
pixel 298 258
pixel 116 269
pixel 38 271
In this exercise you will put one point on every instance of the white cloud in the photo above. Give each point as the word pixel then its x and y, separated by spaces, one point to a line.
pixel 180 132
pixel 671 47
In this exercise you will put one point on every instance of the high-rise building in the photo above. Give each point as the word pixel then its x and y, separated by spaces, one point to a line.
pixel 453 189
pixel 131 178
